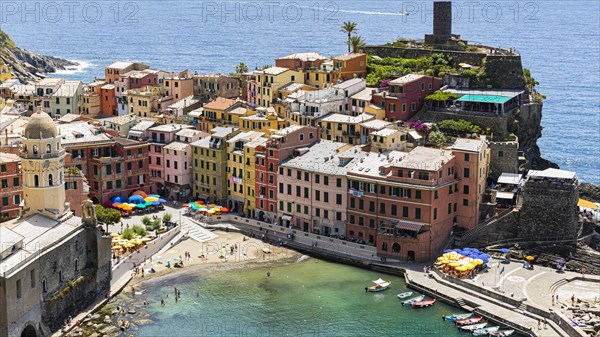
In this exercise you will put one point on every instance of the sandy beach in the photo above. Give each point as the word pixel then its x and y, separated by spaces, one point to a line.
pixel 228 249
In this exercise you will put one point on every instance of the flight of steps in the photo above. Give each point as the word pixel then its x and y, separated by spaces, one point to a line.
pixel 196 233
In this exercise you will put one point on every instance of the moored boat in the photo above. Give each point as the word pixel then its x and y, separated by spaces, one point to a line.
pixel 470 320
pixel 405 295
pixel 473 327
pixel 456 317
pixel 409 302
pixel 485 331
pixel 502 333
pixel 379 285
pixel 423 304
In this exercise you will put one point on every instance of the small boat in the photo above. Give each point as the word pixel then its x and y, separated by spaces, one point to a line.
pixel 405 295
pixel 380 285
pixel 502 333
pixel 470 320
pixel 472 327
pixel 408 303
pixel 456 317
pixel 423 304
pixel 485 331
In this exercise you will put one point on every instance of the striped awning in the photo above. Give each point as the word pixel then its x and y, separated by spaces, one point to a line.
pixel 410 225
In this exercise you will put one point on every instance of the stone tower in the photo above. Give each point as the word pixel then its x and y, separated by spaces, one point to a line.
pixel 42 160
pixel 442 18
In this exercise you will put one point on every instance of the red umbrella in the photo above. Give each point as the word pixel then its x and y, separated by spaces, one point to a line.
pixel 224 209
pixel 107 203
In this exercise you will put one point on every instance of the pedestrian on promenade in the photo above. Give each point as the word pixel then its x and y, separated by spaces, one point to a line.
pixel 539 324
pixel 552 296
pixel 545 324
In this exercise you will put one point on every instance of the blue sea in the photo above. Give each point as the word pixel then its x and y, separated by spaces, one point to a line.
pixel 558 40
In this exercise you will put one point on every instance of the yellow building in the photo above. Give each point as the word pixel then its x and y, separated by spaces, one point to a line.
pixel 238 174
pixel 269 80
pixel 146 103
pixel 216 113
pixel 343 128
pixel 389 139
pixel 265 120
pixel 250 181
pixel 210 164
pixel 5 73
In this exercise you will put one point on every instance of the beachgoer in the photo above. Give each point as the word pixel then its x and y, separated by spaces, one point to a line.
pixel 162 302
pixel 268 274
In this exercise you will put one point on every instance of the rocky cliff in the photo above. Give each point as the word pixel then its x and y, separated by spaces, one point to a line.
pixel 28 66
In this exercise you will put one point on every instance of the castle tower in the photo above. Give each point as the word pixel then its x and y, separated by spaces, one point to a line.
pixel 42 160
pixel 442 18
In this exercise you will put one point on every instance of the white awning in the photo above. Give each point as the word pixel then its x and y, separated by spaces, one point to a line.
pixel 195 113
pixel 509 178
pixel 505 195
pixel 415 135
pixel 286 217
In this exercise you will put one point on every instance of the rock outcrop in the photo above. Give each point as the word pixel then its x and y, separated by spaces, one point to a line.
pixel 589 192
pixel 28 66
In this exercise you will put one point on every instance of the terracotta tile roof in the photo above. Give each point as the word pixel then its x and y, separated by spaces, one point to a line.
pixel 219 103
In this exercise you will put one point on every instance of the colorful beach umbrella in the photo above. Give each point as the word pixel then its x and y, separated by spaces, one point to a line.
pixel 529 258
pixel 155 203
pixel 140 193
pixel 118 199
pixel 505 250
pixel 136 199
pixel 140 205
pixel 162 201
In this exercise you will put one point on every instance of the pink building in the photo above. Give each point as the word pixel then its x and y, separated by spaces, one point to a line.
pixel 177 157
pixel 313 188
pixel 159 136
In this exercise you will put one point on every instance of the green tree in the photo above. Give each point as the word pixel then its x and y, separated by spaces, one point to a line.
pixel 109 216
pixel 241 68
pixel 167 217
pixel 357 43
pixel 128 234
pixel 349 28
pixel 436 138
pixel 458 128
pixel 146 221
pixel 139 230
pixel 155 224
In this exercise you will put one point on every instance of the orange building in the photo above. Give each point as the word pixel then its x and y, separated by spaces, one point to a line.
pixel 178 86
pixel 350 65
pixel 108 100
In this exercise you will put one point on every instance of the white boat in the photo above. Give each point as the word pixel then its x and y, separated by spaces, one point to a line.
pixel 405 295
pixel 408 303
pixel 473 327
pixel 485 331
pixel 380 285
pixel 502 333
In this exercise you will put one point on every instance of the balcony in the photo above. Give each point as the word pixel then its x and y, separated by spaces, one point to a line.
pixel 38 155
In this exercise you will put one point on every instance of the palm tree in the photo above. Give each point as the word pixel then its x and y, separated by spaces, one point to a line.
pixel 241 68
pixel 357 43
pixel 349 28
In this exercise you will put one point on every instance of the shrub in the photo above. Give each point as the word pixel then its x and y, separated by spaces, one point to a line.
pixel 155 224
pixel 109 216
pixel 167 217
pixel 146 221
pixel 458 128
pixel 436 138
pixel 442 96
pixel 128 234
pixel 139 230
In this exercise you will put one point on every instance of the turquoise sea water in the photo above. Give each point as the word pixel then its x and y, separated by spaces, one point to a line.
pixel 558 41
pixel 310 298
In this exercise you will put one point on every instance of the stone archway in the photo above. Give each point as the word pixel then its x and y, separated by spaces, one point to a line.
pixel 29 331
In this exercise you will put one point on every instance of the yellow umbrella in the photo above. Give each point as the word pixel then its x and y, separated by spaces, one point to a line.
pixel 213 205
pixel 128 245
pixel 136 242
pixel 150 199
pixel 116 247
pixel 211 211
pixel 478 262
pixel 469 266
pixel 587 204
pixel 114 235
pixel 454 264
pixel 461 268
pixel 529 258
pixel 145 239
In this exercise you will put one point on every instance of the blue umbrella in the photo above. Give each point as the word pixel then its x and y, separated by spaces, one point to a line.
pixel 118 199
pixel 136 199
pixel 162 201
pixel 505 250
pixel 155 203
pixel 448 250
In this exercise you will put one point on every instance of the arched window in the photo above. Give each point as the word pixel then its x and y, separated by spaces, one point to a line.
pixel 36 181
pixel 396 247
pixel 35 149
pixel 384 246
pixel 48 148
pixel 50 180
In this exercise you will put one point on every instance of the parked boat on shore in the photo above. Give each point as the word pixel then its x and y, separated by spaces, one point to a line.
pixel 405 295
pixel 423 304
pixel 485 331
pixel 380 285
pixel 470 320
pixel 472 327
pixel 502 333
pixel 408 303
pixel 456 317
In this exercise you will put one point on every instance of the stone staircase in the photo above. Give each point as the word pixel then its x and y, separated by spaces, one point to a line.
pixel 196 232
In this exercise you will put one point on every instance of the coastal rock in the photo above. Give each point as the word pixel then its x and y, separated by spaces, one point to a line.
pixel 109 330
pixel 143 321
pixel 95 334
pixel 131 312
pixel 28 66
pixel 95 316
pixel 589 192
pixel 107 319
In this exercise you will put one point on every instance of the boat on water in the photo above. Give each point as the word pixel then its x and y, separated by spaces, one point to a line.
pixel 380 285
pixel 472 327
pixel 485 331
pixel 405 295
pixel 409 302
pixel 423 304
pixel 470 320
pixel 502 333
pixel 456 317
